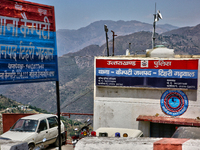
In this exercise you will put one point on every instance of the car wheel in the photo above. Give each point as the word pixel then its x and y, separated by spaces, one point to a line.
pixel 31 146
pixel 62 141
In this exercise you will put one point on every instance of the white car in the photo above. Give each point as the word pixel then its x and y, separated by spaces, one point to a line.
pixel 34 128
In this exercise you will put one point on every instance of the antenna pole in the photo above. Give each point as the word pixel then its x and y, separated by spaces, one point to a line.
pixel 154 28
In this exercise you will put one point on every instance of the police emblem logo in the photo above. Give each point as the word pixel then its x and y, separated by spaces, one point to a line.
pixel 174 103
pixel 144 63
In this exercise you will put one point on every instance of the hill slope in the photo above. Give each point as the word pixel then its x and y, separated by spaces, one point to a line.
pixel 184 40
pixel 76 71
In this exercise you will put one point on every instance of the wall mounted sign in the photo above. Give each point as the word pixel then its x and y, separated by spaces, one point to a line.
pixel 174 103
pixel 175 73
pixel 28 51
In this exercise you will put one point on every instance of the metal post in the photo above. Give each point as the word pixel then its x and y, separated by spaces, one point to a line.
pixel 154 29
pixel 58 112
pixel 113 41
pixel 106 30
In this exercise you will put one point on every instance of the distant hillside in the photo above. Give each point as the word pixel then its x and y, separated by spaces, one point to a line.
pixel 184 40
pixel 7 102
pixel 76 70
pixel 94 34
pixel 185 31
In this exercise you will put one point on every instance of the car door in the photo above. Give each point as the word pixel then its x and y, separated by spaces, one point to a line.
pixel 42 132
pixel 53 129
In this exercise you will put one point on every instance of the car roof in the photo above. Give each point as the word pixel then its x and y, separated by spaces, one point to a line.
pixel 38 116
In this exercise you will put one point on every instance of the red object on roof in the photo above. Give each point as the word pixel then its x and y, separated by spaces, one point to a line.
pixel 169 143
pixel 169 120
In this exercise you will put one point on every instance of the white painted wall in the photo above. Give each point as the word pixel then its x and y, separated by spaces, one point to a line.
pixel 107 143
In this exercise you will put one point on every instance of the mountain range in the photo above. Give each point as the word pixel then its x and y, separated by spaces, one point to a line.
pixel 94 34
pixel 76 66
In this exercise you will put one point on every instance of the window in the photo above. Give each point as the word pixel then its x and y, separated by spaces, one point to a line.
pixel 25 125
pixel 43 125
pixel 30 125
pixel 162 130
pixel 18 125
pixel 53 122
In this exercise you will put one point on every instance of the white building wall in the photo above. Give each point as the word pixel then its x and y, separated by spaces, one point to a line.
pixel 120 106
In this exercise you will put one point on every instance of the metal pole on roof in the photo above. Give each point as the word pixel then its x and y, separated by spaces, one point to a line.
pixel 113 41
pixel 58 113
pixel 157 16
pixel 106 30
pixel 154 28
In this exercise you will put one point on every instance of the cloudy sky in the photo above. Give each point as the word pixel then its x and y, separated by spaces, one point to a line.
pixel 74 14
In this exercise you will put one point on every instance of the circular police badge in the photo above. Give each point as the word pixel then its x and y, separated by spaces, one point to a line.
pixel 174 103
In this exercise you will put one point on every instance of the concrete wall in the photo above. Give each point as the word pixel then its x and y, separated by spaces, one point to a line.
pixel 120 106
pixel 105 143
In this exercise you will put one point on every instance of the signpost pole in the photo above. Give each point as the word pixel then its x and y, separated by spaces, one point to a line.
pixel 58 112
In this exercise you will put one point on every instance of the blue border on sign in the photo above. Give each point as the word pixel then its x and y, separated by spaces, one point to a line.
pixel 26 58
pixel 172 110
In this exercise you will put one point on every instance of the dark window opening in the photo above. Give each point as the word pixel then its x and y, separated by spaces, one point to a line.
pixel 43 125
pixel 162 130
pixel 53 122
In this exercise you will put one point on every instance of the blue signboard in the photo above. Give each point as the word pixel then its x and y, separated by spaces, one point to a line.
pixel 28 51
pixel 175 73
pixel 158 73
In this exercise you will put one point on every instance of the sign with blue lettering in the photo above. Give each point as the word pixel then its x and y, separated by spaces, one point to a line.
pixel 175 73
pixel 174 103
pixel 28 51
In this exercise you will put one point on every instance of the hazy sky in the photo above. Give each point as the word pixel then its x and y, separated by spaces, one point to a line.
pixel 74 14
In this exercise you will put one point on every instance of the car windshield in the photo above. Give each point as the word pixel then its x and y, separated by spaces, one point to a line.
pixel 25 125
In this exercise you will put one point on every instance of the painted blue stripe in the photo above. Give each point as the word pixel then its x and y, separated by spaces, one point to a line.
pixel 37 61
pixel 8 39
pixel 159 73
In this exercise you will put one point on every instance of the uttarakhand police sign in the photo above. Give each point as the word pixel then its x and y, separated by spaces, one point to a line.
pixel 155 73
pixel 28 50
